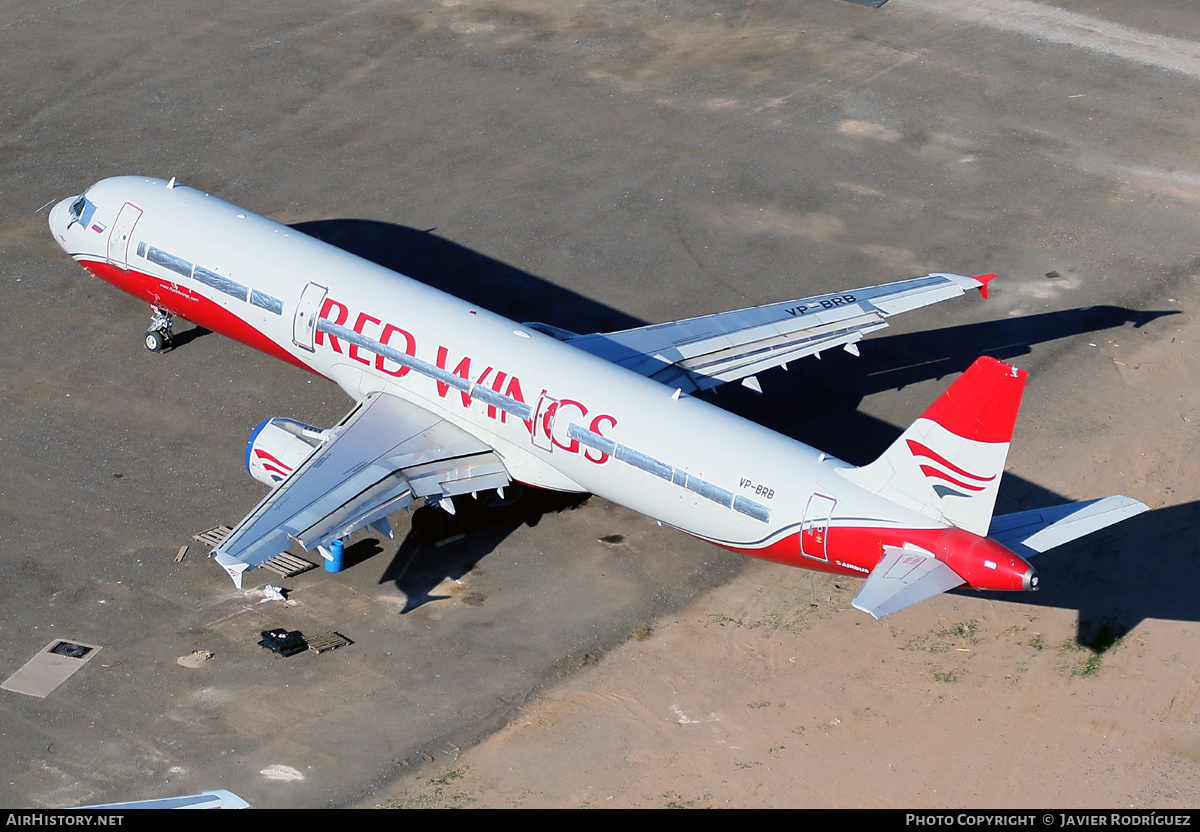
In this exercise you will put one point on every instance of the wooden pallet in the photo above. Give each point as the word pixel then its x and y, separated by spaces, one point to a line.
pixel 214 537
pixel 287 565
pixel 327 641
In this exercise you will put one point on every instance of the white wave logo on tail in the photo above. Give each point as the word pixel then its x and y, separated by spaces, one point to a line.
pixel 947 479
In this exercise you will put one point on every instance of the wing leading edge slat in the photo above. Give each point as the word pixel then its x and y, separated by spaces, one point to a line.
pixel 701 353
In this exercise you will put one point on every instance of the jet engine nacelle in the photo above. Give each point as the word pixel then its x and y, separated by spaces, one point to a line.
pixel 278 446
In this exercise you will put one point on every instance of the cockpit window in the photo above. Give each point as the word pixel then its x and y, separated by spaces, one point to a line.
pixel 81 211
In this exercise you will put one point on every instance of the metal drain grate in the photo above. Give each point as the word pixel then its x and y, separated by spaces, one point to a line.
pixel 52 666
pixel 70 649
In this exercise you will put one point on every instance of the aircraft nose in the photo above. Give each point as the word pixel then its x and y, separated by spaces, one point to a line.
pixel 58 220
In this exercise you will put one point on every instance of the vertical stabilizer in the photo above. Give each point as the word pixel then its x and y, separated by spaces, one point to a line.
pixel 947 465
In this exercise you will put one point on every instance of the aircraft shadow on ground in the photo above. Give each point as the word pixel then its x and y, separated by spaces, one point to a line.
pixel 184 337
pixel 469 275
pixel 1145 567
pixel 441 547
pixel 811 401
pixel 1105 576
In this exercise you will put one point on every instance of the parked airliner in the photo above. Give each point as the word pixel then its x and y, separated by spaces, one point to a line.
pixel 451 399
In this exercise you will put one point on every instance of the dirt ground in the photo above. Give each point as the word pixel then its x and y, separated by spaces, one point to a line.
pixel 744 701
pixel 773 692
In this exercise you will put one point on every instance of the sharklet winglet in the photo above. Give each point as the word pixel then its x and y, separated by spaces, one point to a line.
pixel 984 280
pixel 234 568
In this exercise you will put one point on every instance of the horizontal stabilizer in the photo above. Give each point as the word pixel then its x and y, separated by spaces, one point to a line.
pixel 1032 532
pixel 903 578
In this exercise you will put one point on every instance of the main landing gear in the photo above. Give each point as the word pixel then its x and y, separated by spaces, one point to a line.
pixel 158 334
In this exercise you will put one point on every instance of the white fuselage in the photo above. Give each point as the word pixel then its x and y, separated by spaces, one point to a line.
pixel 682 461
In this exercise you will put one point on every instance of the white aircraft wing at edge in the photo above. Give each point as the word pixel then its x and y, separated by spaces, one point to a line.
pixel 215 799
pixel 701 353
pixel 386 453
pixel 1040 530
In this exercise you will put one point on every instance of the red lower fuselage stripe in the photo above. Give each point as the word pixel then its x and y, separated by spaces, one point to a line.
pixel 856 550
pixel 189 305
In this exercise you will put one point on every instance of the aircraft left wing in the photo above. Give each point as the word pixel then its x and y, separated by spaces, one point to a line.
pixel 701 353
pixel 903 578
pixel 386 453
pixel 215 799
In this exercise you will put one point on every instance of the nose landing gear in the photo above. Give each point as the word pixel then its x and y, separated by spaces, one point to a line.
pixel 158 334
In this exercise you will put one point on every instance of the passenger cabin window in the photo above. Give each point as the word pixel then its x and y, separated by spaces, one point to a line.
pixel 265 301
pixel 168 261
pixel 225 285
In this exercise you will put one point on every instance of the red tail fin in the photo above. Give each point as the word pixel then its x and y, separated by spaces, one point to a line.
pixel 982 405
pixel 947 465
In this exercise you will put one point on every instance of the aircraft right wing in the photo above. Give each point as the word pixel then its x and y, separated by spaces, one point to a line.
pixel 386 453
pixel 701 353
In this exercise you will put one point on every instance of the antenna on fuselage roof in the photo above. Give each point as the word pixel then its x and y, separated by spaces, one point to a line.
pixel 171 184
